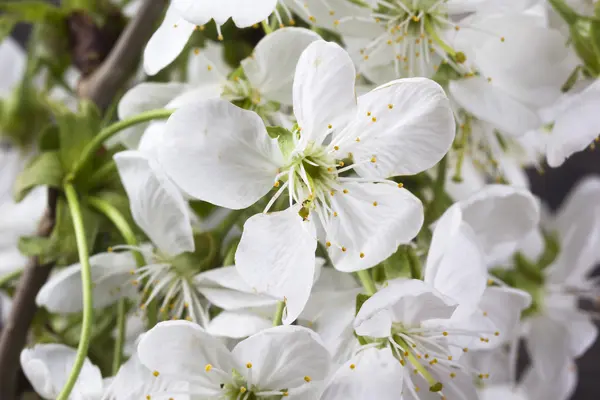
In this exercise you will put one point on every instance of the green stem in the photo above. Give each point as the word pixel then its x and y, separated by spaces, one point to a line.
pixel 5 279
pixel 86 280
pixel 434 211
pixel 414 263
pixel 367 281
pixel 461 149
pixel 100 175
pixel 120 339
pixel 434 36
pixel 279 313
pixel 111 130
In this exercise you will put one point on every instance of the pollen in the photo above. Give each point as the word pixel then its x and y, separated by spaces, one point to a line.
pixel 374 119
pixel 343 249
pixel 208 367
pixel 362 255
pixel 352 366
pixel 329 126
pixel 373 159
pixel 155 373
pixel 345 191
pixel 445 333
pixel 390 106
pixel 336 148
pixel 357 139
pixel 375 204
pixel 249 365
pixel 307 378
pixel 328 244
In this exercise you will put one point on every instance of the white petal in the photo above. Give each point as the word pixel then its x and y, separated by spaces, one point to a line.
pixel 156 204
pixel 47 367
pixel 410 137
pixel 276 256
pixel 207 65
pixel 220 153
pixel 408 301
pixel 237 324
pixel 12 65
pixel 243 13
pixel 499 214
pixel 456 263
pixel 282 357
pixel 582 332
pixel 225 288
pixel 576 127
pixel 371 374
pixel 548 346
pixel 575 207
pixel 110 276
pixel 144 97
pixel 271 67
pixel 182 348
pixel 561 386
pixel 322 15
pixel 372 221
pixel 167 42
pixel 488 102
pixel 323 90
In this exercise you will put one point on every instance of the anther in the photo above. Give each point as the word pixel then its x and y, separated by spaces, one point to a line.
pixel 335 214
pixel 362 255
pixel 390 106
pixel 276 184
pixel 155 373
pixel 401 185
pixel 249 365
pixel 208 367
pixel 465 350
pixel 375 204
pixel 307 378
pixel 336 148
pixel 345 191
pixel 496 333
pixel 373 159
pixel 343 249
pixel 352 366
pixel 329 126
pixel 328 244
pixel 374 119
pixel 445 333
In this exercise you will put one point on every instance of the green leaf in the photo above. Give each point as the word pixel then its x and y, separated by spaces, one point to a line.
pixel 566 12
pixel 34 246
pixel 45 169
pixel 360 300
pixel 31 11
pixel 7 23
pixel 284 137
pixel 585 46
pixel 49 138
pixel 76 131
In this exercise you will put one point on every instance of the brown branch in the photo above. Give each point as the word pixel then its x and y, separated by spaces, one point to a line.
pixel 100 87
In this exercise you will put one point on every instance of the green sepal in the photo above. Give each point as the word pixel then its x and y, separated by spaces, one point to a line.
pixel 566 12
pixel 284 137
pixel 571 80
pixel 551 250
pixel 43 170
pixel 585 46
pixel 203 257
pixel 445 74
pixel 360 300
pixel 202 208
pixel 76 131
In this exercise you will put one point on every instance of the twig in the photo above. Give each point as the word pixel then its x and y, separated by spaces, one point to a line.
pixel 100 87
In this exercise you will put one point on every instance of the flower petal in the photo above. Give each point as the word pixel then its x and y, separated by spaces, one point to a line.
pixel 576 127
pixel 323 90
pixel 408 301
pixel 372 221
pixel 220 153
pixel 110 276
pixel 501 214
pixel 167 42
pixel 456 263
pixel 243 13
pixel 237 324
pixel 276 256
pixel 207 65
pixel 149 190
pixel 407 125
pixel 47 367
pixel 282 357
pixel 282 49
pixel 548 346
pixel 182 348
pixel 225 288
pixel 488 102
pixel 371 374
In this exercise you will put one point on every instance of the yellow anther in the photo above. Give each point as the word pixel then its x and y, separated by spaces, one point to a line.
pixel 352 366
pixel 362 255
pixel 307 378
pixel 135 283
pixel 368 113
pixel 332 192
pixel 155 373
pixel 374 119
pixel 202 27
pixel 490 282
pixel 502 39
pixel 331 12
pixel 312 19
pixel 335 214
pixel 405 353
pixel 209 67
pixel 343 249
pixel 415 18
pixel 357 139
pixel 417 388
pixel 208 367
pixel 375 204
pixel 220 38
pixel 336 22
pixel 336 148
pixel 457 28
pixel 402 362
pixel 426 355
pixel 249 365
pixel 329 169
pixel 341 163
pixel 345 191
pixel 466 349
pixel 328 244
pixel 329 126
pixel 373 159
pixel 401 185
pixel 445 333
pixel 489 79
pixel 452 375
pixel 174 25
pixel 496 333
pixel 390 106
pixel 449 358
pixel 276 184
pixel 285 394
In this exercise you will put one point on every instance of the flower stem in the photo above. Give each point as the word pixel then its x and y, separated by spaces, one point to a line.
pixel 367 281
pixel 414 263
pixel 86 279
pixel 277 318
pixel 266 27
pixel 113 214
pixel 5 279
pixel 111 130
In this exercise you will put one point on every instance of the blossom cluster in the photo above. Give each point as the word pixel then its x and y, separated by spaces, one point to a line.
pixel 342 214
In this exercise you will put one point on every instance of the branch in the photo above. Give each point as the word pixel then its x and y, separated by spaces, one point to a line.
pixel 100 87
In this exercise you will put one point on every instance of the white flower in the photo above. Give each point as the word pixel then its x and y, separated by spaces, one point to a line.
pixel 281 361
pixel 47 368
pixel 63 294
pixel 184 16
pixel 401 128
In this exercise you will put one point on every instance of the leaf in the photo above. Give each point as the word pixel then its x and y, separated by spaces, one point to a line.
pixel 44 170
pixel 49 138
pixel 31 11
